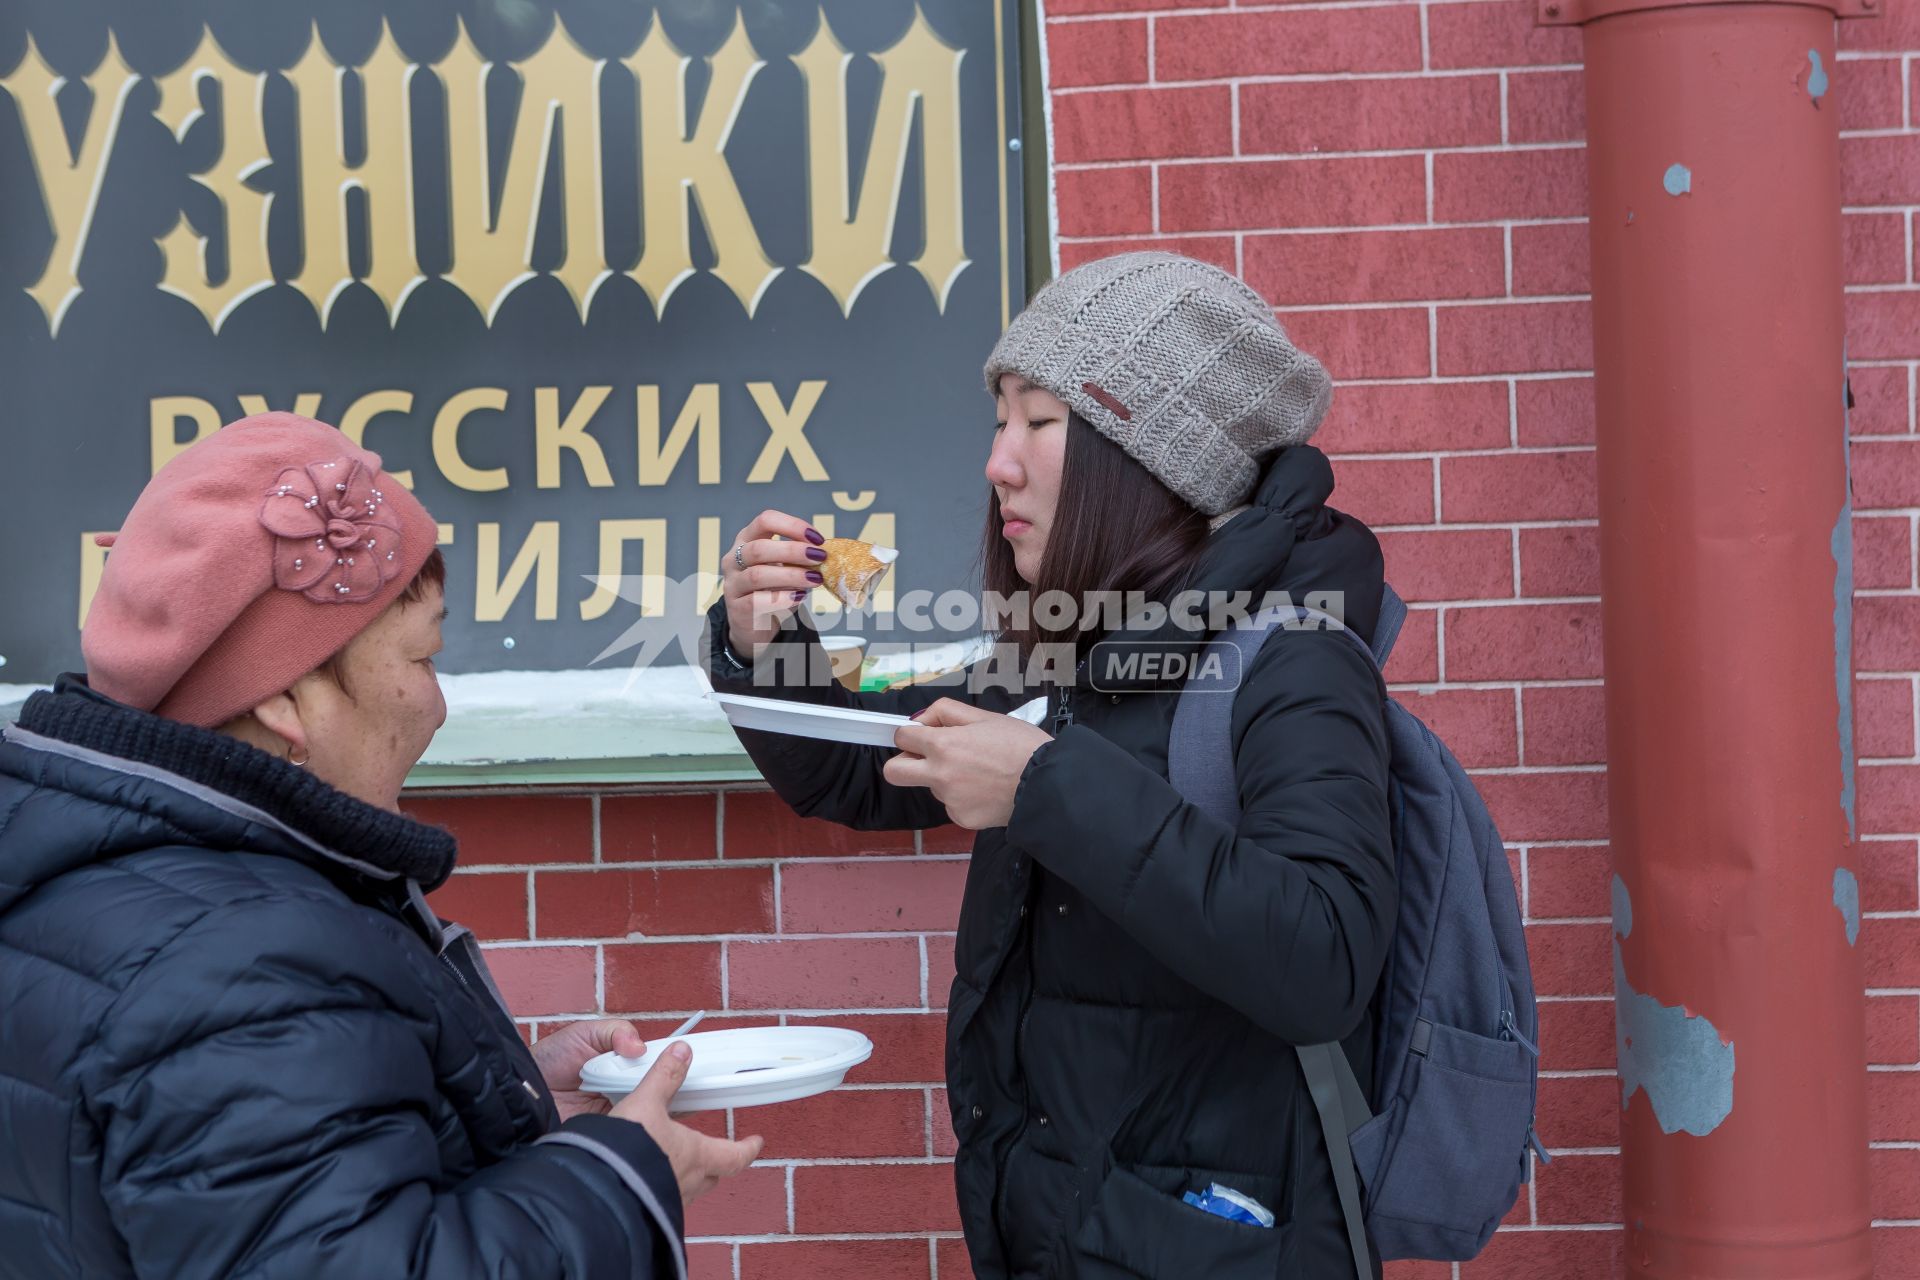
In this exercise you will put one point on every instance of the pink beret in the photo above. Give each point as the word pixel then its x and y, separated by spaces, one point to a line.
pixel 246 562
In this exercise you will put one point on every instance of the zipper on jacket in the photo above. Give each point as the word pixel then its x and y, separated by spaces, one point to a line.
pixel 1063 711
pixel 1062 717
pixel 454 969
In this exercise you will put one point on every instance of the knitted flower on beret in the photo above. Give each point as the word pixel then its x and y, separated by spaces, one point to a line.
pixel 334 539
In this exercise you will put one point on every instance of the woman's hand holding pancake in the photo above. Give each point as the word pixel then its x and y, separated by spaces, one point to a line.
pixel 764 578
pixel 970 759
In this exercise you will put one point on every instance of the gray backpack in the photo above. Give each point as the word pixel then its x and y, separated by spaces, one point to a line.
pixel 1440 1148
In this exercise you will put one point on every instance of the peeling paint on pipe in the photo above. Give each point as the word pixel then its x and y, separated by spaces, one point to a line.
pixel 1846 896
pixel 1678 1057
pixel 1816 78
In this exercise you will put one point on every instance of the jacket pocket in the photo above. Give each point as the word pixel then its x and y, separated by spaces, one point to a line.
pixel 1447 1187
pixel 1140 1229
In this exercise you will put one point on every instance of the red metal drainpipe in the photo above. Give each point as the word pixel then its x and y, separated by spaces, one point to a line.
pixel 1726 572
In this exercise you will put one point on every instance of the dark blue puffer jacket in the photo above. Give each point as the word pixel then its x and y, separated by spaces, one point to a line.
pixel 235 1043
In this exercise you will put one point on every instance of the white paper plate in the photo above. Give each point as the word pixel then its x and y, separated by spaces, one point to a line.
pixel 747 1067
pixel 1033 712
pixel 830 724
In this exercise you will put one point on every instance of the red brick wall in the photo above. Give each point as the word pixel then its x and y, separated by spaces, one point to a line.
pixel 657 906
pixel 1407 183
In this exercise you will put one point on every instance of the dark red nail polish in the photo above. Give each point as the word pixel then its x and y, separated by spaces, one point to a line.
pixel 799 595
pixel 816 554
pixel 815 576
pixel 813 536
pixel 916 715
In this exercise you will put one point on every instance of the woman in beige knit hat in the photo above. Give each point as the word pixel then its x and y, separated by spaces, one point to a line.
pixel 1133 973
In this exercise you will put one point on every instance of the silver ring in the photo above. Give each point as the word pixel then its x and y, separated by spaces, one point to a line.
pixel 740 555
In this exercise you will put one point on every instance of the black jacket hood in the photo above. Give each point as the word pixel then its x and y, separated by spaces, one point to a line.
pixel 1287 539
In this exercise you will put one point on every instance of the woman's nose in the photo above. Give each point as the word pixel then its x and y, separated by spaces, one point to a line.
pixel 1003 466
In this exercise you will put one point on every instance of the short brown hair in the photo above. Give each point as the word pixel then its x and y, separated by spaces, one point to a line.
pixel 433 573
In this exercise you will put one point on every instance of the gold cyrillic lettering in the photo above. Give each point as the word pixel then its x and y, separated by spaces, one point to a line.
pixel 446 440
pixel 785 425
pixel 651 534
pixel 70 180
pixel 700 416
pixel 353 423
pixel 853 235
pixel 683 160
pixel 385 177
pixel 163 426
pixel 708 581
pixel 243 211
pixel 491 256
pixel 552 433
pixel 493 595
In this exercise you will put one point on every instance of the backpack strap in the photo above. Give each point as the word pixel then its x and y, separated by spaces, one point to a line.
pixel 1393 616
pixel 1200 747
pixel 1200 767
pixel 1342 1109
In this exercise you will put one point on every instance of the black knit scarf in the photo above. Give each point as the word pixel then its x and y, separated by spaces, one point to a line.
pixel 75 714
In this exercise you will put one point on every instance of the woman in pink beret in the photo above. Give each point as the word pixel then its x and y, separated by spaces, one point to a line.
pixel 235 1041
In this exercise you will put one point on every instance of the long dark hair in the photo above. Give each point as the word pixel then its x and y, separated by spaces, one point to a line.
pixel 1116 528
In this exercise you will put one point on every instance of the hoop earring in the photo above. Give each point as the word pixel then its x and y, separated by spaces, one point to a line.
pixel 301 763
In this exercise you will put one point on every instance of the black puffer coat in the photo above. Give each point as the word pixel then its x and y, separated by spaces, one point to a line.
pixel 1132 972
pixel 235 1043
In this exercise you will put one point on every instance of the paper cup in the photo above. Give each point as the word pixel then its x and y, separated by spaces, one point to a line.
pixel 847 654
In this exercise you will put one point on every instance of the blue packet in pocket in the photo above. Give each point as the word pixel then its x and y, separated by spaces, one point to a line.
pixel 1225 1202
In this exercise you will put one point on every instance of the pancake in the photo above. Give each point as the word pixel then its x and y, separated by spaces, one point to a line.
pixel 853 569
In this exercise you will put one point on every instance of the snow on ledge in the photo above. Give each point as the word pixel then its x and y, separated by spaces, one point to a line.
pixel 501 719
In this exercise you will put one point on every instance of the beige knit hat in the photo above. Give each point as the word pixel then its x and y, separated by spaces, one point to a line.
pixel 1177 362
